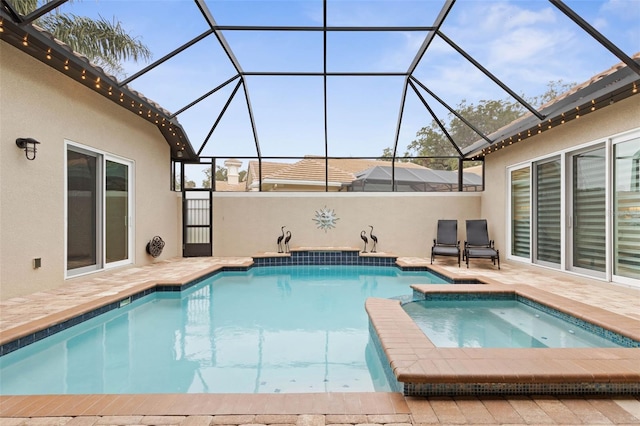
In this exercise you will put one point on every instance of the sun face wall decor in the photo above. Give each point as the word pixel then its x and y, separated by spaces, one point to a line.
pixel 325 218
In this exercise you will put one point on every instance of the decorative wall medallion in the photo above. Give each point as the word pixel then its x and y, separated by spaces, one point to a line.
pixel 325 219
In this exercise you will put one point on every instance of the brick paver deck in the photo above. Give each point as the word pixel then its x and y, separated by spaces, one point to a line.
pixel 26 313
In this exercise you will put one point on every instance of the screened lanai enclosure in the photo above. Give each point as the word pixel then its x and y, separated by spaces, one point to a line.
pixel 407 87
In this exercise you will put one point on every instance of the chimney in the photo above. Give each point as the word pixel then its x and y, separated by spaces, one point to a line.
pixel 232 166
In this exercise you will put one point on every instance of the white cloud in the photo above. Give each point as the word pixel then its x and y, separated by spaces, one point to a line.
pixel 622 9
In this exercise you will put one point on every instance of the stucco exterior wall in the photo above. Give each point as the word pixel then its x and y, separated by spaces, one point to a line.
pixel 405 224
pixel 596 126
pixel 39 102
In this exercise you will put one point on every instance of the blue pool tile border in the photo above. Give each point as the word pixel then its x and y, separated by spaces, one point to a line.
pixel 593 328
pixel 325 257
pixel 476 389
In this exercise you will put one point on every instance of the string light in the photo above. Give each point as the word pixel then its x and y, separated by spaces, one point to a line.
pixel 84 74
pixel 97 82
pixel 49 53
pixel 66 65
pixel 634 90
pixel 1 25
pixel 593 105
pixel 110 91
pixel 24 40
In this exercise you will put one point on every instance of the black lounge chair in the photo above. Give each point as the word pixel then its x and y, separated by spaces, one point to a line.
pixel 446 242
pixel 478 244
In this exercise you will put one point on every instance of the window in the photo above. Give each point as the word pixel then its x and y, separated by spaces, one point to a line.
pixel 98 211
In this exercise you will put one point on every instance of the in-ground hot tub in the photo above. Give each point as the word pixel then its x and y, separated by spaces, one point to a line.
pixel 418 367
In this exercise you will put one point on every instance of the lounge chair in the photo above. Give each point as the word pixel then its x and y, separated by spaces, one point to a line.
pixel 446 242
pixel 478 244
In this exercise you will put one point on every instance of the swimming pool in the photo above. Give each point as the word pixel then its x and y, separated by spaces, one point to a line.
pixel 268 330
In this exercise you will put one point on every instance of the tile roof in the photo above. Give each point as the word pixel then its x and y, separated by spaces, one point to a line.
pixel 312 169
pixel 224 186
pixel 268 168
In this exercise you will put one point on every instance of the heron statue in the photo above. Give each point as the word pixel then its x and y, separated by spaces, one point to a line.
pixel 374 239
pixel 286 242
pixel 363 235
pixel 280 238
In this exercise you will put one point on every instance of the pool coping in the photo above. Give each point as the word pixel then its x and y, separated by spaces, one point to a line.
pixel 421 369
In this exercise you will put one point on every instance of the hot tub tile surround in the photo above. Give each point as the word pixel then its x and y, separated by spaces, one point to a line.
pixel 421 369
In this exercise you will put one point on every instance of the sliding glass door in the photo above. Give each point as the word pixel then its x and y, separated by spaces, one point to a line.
pixel 626 205
pixel 589 220
pixel 580 210
pixel 98 211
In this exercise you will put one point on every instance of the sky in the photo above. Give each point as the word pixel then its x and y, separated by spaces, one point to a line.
pixel 526 44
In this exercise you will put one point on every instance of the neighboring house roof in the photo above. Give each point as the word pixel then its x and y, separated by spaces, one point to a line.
pixel 474 169
pixel 224 186
pixel 311 170
pixel 268 168
pixel 428 178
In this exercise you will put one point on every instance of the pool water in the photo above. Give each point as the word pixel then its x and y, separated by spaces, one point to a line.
pixel 497 324
pixel 268 330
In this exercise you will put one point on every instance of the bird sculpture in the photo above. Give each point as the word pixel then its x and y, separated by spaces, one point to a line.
pixel 280 238
pixel 363 235
pixel 374 239
pixel 286 242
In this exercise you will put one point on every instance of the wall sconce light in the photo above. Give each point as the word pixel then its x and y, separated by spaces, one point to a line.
pixel 29 146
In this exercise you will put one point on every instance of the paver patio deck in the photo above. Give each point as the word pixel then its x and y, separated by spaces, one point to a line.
pixel 19 315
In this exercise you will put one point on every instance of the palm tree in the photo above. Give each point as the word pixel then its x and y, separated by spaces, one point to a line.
pixel 105 43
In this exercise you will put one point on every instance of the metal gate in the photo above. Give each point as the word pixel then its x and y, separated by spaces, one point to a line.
pixel 197 232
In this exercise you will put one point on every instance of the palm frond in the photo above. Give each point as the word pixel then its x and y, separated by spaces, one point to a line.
pixel 104 42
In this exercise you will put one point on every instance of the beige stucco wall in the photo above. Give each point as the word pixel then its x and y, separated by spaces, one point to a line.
pixel 39 102
pixel 405 224
pixel 594 127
